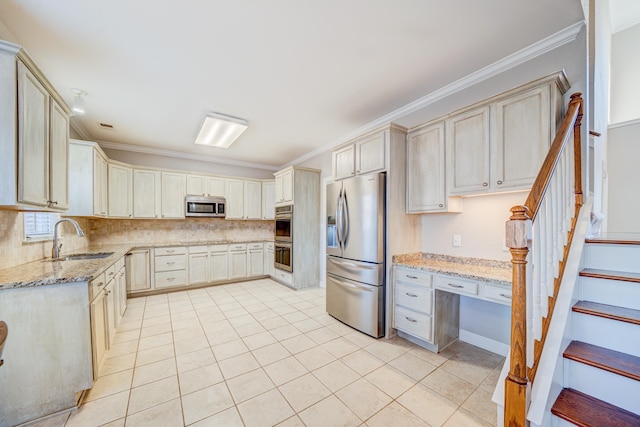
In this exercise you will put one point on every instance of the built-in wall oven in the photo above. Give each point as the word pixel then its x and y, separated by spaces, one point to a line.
pixel 283 256
pixel 284 223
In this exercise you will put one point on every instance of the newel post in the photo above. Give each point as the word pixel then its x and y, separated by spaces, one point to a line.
pixel 515 405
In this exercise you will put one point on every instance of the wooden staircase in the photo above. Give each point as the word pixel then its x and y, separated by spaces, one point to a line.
pixel 602 362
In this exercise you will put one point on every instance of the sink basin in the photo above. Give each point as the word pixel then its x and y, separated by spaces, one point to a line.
pixel 75 257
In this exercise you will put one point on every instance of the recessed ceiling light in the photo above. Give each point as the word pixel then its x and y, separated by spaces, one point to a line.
pixel 220 131
pixel 78 101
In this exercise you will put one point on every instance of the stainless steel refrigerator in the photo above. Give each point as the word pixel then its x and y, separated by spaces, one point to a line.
pixel 356 252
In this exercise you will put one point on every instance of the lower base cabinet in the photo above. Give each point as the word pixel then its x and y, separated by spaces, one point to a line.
pixel 138 270
pixel 269 258
pixel 255 259
pixel 98 333
pixel 219 262
pixel 238 261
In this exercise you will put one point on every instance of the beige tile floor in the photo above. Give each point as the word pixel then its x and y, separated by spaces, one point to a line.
pixel 259 354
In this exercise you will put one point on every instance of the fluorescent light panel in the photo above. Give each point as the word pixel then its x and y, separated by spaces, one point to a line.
pixel 220 131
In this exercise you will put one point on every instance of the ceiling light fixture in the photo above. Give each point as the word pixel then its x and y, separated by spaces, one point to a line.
pixel 220 131
pixel 78 101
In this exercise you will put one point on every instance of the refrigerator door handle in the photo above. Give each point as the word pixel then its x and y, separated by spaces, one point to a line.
pixel 339 219
pixel 350 264
pixel 351 285
pixel 345 218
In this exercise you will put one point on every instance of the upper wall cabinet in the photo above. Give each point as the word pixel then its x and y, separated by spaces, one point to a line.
pixel 268 199
pixel 87 180
pixel 120 191
pixel 146 194
pixel 284 186
pixel 364 155
pixel 172 189
pixel 34 136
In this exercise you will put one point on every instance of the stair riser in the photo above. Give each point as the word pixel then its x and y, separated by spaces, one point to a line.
pixel 612 292
pixel 612 257
pixel 612 334
pixel 612 388
pixel 559 422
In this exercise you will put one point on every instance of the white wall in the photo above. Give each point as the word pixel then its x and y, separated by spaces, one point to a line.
pixel 625 69
pixel 624 175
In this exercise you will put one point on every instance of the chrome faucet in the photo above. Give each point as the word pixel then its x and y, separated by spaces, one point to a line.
pixel 55 251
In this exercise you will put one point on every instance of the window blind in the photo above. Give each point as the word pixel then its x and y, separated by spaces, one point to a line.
pixel 39 225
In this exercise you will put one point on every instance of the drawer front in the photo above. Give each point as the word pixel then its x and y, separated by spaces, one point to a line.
pixel 255 246
pixel 198 249
pixel 414 277
pixel 497 294
pixel 456 285
pixel 238 247
pixel 413 323
pixel 284 276
pixel 417 298
pixel 269 246
pixel 219 248
pixel 110 273
pixel 176 250
pixel 171 278
pixel 171 262
pixel 97 285
pixel 119 264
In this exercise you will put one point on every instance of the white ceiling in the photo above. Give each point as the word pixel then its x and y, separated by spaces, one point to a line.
pixel 303 73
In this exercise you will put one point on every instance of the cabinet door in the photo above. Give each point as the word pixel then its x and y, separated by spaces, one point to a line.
pixel 100 196
pixel 120 189
pixel 269 261
pixel 219 266
pixel 172 190
pixel 98 332
pixel 370 153
pixel 137 265
pixel 425 170
pixel 237 264
pixel 256 262
pixel 196 185
pixel 110 311
pixel 279 197
pixel 58 158
pixel 252 200
pixel 468 151
pixel 122 293
pixel 33 124
pixel 235 199
pixel 146 193
pixel 343 161
pixel 268 199
pixel 216 187
pixel 198 268
pixel 523 137
pixel 287 186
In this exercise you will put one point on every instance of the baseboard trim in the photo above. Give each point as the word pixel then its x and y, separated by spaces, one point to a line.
pixel 484 342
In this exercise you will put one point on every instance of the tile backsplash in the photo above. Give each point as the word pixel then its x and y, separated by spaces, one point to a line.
pixel 14 251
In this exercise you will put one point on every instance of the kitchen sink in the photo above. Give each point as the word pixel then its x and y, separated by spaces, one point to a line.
pixel 76 257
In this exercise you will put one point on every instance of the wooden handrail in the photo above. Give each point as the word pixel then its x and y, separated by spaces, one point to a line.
pixel 518 240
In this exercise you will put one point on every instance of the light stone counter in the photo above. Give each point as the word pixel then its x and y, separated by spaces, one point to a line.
pixel 486 270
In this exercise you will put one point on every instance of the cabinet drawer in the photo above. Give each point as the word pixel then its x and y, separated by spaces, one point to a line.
pixel 176 250
pixel 414 277
pixel 413 323
pixel 198 249
pixel 110 272
pixel 455 285
pixel 497 294
pixel 119 264
pixel 269 246
pixel 171 262
pixel 238 247
pixel 171 278
pixel 97 285
pixel 284 276
pixel 417 298
pixel 251 246
pixel 219 248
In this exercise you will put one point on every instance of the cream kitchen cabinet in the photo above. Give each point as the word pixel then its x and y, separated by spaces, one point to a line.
pixel 216 187
pixel 100 180
pixel 235 199
pixel 268 199
pixel 87 180
pixel 196 185
pixel 138 270
pixel 426 177
pixel 98 327
pixel 34 131
pixel 365 155
pixel 343 162
pixel 198 265
pixel 170 266
pixel 120 185
pixel 284 186
pixel 172 187
pixel 255 259
pixel 238 261
pixel 219 262
pixel 269 258
pixel 146 193
pixel 252 200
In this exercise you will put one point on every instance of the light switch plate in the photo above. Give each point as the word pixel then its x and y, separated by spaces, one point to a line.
pixel 457 240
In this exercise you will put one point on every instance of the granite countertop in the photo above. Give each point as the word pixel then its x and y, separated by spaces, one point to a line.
pixel 487 270
pixel 46 272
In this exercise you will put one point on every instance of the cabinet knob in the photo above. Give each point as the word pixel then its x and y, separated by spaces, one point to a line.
pixel 485 184
pixel 499 182
pixel 441 205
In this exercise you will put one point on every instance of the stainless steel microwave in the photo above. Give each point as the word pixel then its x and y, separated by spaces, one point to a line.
pixel 199 206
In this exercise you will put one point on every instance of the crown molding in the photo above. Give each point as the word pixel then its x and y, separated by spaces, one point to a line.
pixel 532 51
pixel 81 130
pixel 624 124
pixel 182 155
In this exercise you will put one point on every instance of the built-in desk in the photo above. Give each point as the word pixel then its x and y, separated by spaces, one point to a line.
pixel 427 289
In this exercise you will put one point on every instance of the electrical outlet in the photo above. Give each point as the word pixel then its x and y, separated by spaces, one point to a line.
pixel 457 240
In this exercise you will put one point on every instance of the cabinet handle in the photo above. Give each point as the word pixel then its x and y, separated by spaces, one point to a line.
pixel 170 262
pixel 484 184
pixel 507 296
pixel 111 273
pixel 410 277
pixel 411 295
pixel 441 205
pixel 51 202
pixel 100 284
pixel 410 319
pixel 170 251
pixel 455 286
pixel 499 182
pixel 169 279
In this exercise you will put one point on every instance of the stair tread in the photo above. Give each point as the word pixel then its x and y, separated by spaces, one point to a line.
pixel 616 238
pixel 622 314
pixel 584 410
pixel 610 360
pixel 610 274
